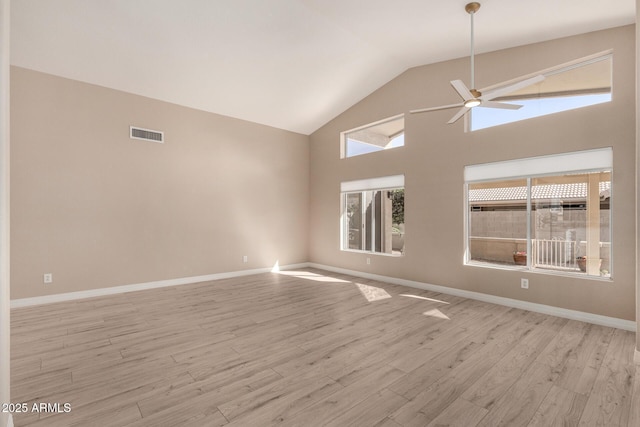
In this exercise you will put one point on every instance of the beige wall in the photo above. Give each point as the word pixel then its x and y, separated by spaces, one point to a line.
pixel 98 209
pixel 434 157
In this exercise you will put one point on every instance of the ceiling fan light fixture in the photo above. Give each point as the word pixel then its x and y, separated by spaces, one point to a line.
pixel 473 102
pixel 474 98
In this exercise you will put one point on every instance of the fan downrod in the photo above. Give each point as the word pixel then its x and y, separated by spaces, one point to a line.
pixel 472 7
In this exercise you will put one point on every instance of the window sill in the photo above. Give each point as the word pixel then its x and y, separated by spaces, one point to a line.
pixel 392 255
pixel 524 269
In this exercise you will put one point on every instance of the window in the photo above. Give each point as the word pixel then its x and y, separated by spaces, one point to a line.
pixel 372 217
pixel 545 213
pixel 576 84
pixel 379 136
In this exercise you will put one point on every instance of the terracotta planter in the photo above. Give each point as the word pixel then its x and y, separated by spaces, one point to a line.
pixel 582 263
pixel 519 259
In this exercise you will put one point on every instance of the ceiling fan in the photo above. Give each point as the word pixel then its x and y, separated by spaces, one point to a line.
pixel 476 98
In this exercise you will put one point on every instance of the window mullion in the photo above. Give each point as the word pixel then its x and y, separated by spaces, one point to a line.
pixel 363 221
pixel 529 245
pixel 373 221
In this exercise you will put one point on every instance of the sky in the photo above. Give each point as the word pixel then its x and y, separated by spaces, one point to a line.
pixel 482 118
pixel 355 148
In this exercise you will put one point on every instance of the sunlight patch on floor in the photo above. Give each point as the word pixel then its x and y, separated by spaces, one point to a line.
pixel 423 298
pixel 436 313
pixel 312 276
pixel 371 293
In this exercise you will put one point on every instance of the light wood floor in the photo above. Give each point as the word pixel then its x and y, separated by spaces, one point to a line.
pixel 310 348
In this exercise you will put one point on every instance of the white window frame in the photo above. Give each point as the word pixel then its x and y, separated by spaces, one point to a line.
pixel 344 134
pixel 391 182
pixel 586 161
pixel 558 69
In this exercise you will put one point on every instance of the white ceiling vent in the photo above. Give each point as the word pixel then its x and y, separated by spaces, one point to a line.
pixel 146 134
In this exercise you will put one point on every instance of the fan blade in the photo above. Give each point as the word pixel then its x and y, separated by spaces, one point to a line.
pixel 497 93
pixel 459 114
pixel 502 105
pixel 462 90
pixel 444 107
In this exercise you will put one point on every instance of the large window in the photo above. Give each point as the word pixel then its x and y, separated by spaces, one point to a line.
pixel 576 84
pixel 546 213
pixel 379 136
pixel 372 217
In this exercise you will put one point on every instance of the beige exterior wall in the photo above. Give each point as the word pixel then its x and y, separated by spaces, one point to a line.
pixel 97 209
pixel 434 157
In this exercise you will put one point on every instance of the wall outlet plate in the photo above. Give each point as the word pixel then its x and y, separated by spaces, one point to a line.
pixel 524 283
pixel 47 278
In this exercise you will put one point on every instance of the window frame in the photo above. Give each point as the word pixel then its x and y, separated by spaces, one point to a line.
pixel 381 184
pixel 548 72
pixel 344 135
pixel 594 164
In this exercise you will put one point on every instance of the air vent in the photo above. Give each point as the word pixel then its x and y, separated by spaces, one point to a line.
pixel 146 134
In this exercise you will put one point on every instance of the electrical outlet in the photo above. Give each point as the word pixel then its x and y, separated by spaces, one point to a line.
pixel 524 283
pixel 245 259
pixel 47 278
pixel 368 260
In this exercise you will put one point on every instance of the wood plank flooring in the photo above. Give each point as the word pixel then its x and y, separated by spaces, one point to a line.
pixel 311 348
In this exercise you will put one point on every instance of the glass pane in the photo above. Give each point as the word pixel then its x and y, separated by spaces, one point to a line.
pixel 353 219
pixel 498 222
pixel 570 223
pixel 356 148
pixel 397 221
pixel 374 221
pixel 568 88
pixel 377 137
pixel 369 218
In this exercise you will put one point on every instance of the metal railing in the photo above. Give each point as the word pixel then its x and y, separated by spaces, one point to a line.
pixel 555 253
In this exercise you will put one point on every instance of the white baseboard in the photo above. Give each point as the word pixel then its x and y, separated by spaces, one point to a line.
pixel 69 296
pixel 597 319
pixel 627 325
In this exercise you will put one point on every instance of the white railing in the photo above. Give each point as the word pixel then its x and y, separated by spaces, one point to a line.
pixel 554 253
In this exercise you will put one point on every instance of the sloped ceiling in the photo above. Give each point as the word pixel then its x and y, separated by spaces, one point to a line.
pixel 290 64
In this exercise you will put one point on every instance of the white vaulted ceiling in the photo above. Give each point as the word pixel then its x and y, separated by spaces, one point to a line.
pixel 291 64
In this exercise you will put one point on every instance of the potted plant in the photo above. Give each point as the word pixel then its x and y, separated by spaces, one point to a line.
pixel 582 263
pixel 520 258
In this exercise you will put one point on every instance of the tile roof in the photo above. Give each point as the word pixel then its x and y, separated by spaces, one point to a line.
pixel 576 191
